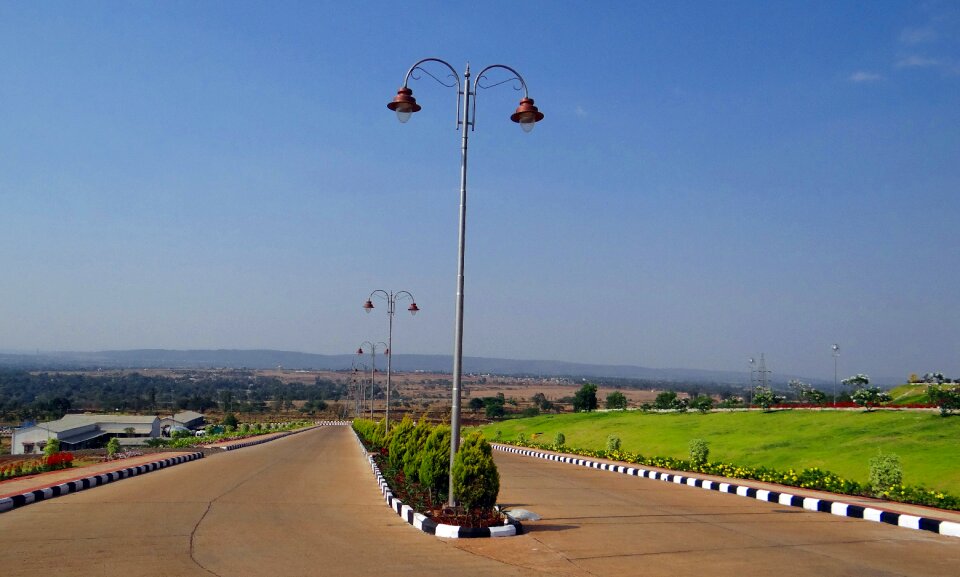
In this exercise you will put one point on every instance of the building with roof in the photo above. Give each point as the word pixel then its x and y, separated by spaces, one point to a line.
pixel 85 432
pixel 189 420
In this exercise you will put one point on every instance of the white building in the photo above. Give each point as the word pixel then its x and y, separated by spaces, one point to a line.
pixel 84 432
pixel 190 420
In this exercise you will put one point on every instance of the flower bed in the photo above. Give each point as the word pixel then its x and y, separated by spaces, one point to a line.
pixel 62 460
pixel 411 464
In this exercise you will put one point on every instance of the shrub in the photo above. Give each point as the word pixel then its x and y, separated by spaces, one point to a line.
pixel 702 403
pixel 434 470
pixel 699 452
pixel 413 450
pixel 476 480
pixel 766 398
pixel 885 472
pixel 52 447
pixel 397 441
pixel 559 440
pixel 946 398
pixel 113 446
pixel 870 397
pixel 521 437
pixel 230 420
pixel 613 443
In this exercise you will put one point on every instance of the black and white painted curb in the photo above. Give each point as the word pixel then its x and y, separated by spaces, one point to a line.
pixel 428 525
pixel 17 501
pixel 948 528
pixel 260 441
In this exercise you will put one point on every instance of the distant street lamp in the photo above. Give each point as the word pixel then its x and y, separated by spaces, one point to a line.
pixel 359 386
pixel 373 366
pixel 526 115
pixel 391 298
pixel 836 353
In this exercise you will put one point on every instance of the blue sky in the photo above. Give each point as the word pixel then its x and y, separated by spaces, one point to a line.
pixel 711 180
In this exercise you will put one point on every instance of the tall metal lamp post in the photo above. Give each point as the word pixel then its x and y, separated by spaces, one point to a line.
pixel 526 115
pixel 391 298
pixel 373 366
pixel 836 353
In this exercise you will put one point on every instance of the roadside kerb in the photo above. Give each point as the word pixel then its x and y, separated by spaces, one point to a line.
pixel 839 508
pixel 428 525
pixel 274 437
pixel 77 485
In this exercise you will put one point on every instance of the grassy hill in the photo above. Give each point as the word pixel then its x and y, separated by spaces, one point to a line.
pixel 840 441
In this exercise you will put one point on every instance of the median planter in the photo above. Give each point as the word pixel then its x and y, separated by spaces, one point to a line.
pixel 430 523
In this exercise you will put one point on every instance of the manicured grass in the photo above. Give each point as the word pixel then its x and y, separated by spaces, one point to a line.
pixel 839 441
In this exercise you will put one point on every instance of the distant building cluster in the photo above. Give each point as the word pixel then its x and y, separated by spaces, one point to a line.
pixel 77 432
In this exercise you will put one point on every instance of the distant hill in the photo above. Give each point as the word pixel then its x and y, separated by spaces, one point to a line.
pixel 270 359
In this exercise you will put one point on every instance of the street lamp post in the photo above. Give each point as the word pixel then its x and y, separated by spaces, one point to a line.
pixel 836 353
pixel 359 387
pixel 373 366
pixel 391 298
pixel 526 114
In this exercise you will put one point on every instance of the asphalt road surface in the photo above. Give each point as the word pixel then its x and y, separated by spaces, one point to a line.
pixel 308 505
pixel 302 505
pixel 602 523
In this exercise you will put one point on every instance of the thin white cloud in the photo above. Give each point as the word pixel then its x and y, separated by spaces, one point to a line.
pixel 918 35
pixel 917 62
pixel 580 111
pixel 862 76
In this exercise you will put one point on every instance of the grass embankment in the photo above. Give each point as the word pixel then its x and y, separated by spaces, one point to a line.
pixel 839 441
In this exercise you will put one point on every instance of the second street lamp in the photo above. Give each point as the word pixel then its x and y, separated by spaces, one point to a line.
pixel 526 115
pixel 391 298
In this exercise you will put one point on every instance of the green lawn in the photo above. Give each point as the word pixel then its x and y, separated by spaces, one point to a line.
pixel 839 441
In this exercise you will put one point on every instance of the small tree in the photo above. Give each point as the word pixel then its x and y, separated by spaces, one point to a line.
pixel 230 420
pixel 476 404
pixel 948 399
pixel 870 397
pixel 396 441
pixel 113 447
pixel 476 480
pixel 702 403
pixel 766 398
pixel 616 400
pixel 857 381
pixel 665 401
pixel 435 461
pixel 52 447
pixel 585 399
pixel 413 450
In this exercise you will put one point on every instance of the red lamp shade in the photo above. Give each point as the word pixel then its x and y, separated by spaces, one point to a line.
pixel 527 115
pixel 404 104
pixel 413 308
pixel 368 306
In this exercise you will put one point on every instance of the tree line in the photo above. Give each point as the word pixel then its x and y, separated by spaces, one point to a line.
pixel 44 396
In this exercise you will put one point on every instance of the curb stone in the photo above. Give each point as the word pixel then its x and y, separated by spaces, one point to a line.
pixel 17 501
pixel 423 523
pixel 839 508
pixel 280 436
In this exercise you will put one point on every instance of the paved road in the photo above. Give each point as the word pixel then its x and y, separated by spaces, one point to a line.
pixel 307 505
pixel 602 523
pixel 303 505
